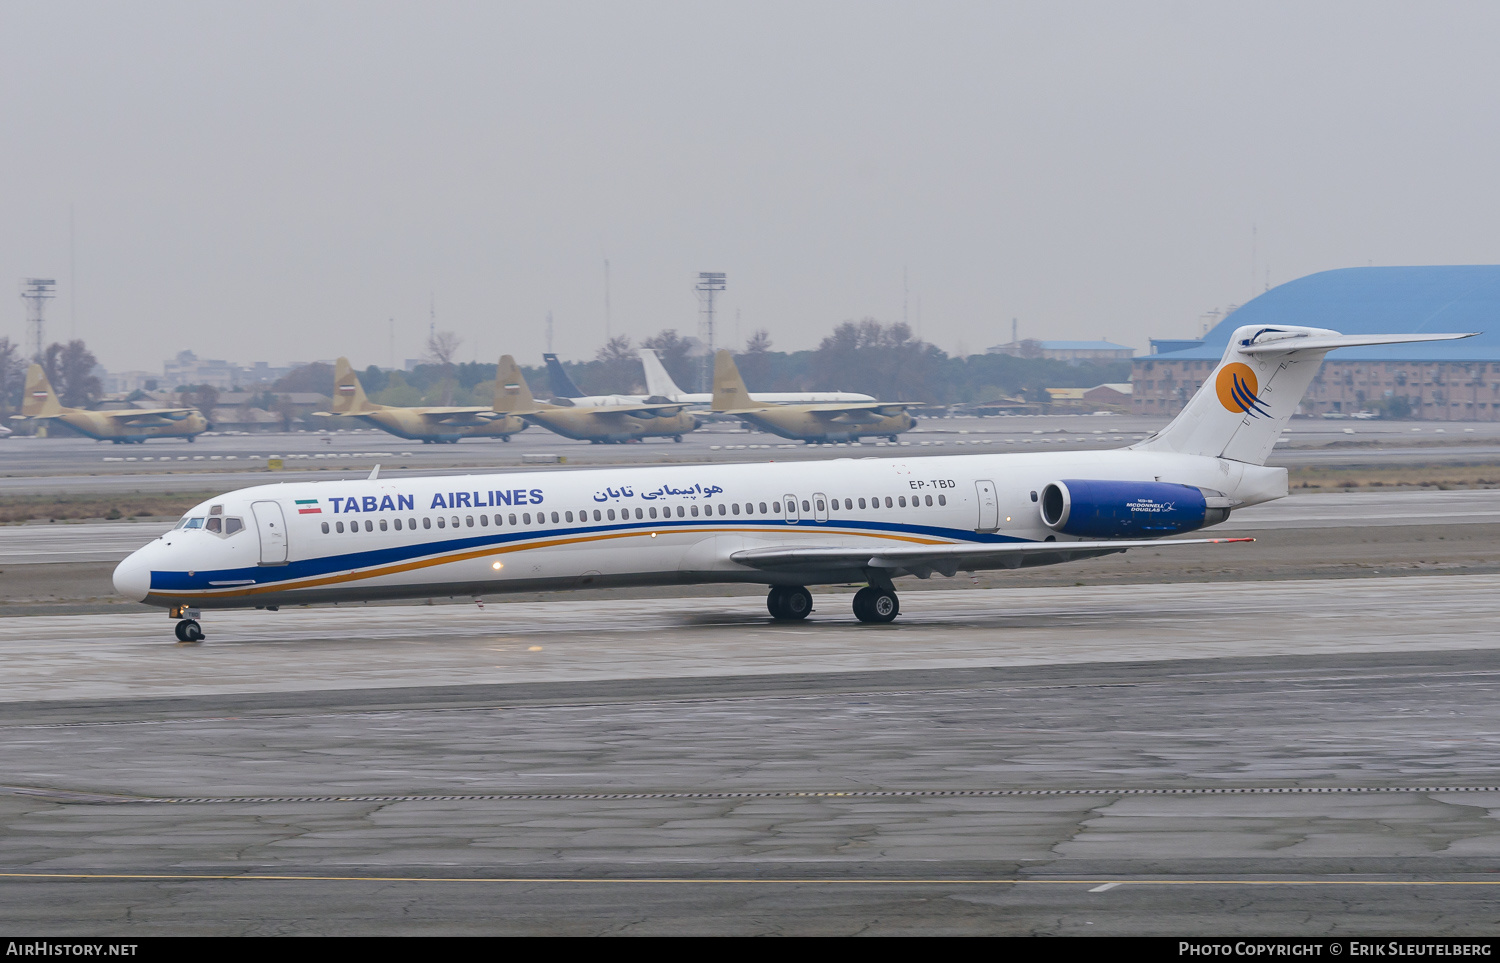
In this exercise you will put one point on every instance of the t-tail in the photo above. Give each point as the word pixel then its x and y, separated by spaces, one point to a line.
pixel 562 385
pixel 659 384
pixel 39 400
pixel 348 394
pixel 729 387
pixel 1242 407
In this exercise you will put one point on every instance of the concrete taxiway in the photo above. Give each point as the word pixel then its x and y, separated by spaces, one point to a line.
pixel 1310 757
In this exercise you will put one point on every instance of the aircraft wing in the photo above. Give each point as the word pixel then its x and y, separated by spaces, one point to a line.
pixel 950 556
pixel 857 413
pixel 1290 345
pixel 459 417
pixel 640 411
pixel 148 416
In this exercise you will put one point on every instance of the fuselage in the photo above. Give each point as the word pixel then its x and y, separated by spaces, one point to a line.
pixel 409 423
pixel 306 542
pixel 798 425
pixel 104 426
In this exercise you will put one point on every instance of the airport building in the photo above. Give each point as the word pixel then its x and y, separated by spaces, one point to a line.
pixel 1440 381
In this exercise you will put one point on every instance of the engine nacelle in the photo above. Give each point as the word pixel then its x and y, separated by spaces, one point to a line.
pixel 1129 509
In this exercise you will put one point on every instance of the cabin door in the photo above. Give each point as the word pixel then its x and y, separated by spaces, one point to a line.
pixel 791 509
pixel 820 507
pixel 989 507
pixel 271 525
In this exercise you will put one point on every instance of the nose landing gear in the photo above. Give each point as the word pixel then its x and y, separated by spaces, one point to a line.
pixel 188 630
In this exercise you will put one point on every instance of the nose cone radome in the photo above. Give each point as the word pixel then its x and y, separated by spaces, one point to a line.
pixel 133 578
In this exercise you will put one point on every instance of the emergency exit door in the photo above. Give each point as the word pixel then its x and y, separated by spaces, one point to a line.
pixel 271 524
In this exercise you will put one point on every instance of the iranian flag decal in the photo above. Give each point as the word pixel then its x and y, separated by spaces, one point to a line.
pixel 308 506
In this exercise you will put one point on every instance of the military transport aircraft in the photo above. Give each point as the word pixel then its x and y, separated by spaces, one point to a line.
pixel 786 525
pixel 427 425
pixel 812 423
pixel 660 385
pixel 601 424
pixel 123 427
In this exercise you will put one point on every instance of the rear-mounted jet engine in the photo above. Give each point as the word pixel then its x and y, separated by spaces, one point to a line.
pixel 1129 509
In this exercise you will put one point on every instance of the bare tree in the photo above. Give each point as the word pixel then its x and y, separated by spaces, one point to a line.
pixel 70 368
pixel 755 363
pixel 12 376
pixel 617 368
pixel 442 347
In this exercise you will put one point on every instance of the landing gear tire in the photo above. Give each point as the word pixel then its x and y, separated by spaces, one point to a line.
pixel 188 630
pixel 677 439
pixel 789 603
pixel 873 604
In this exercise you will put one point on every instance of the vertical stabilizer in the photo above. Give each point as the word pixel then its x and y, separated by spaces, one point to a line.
pixel 512 393
pixel 1240 409
pixel 729 387
pixel 348 394
pixel 659 384
pixel 38 399
pixel 562 385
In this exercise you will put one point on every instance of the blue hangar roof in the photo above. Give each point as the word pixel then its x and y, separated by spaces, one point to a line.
pixel 1378 300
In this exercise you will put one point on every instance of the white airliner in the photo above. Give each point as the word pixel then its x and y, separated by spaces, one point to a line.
pixel 660 385
pixel 784 525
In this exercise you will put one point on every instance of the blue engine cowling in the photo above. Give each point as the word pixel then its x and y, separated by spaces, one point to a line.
pixel 1126 509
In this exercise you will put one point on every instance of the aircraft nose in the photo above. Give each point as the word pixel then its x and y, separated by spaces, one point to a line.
pixel 133 578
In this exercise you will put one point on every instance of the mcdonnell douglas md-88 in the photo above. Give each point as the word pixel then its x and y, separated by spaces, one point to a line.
pixel 786 525
pixel 123 427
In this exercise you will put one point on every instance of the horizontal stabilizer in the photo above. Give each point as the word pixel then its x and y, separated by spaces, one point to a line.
pixel 932 555
pixel 1313 343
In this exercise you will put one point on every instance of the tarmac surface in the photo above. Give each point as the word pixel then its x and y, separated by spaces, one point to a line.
pixel 224 462
pixel 1295 737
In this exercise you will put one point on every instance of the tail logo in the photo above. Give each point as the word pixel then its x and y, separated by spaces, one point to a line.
pixel 1237 386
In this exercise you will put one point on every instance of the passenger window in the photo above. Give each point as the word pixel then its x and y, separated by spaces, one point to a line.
pixel 653 511
pixel 568 516
pixel 821 506
pixel 611 514
pixel 723 510
pixel 427 522
pixel 382 524
pixel 325 528
pixel 554 517
pixel 861 503
pixel 736 508
pixel 598 517
pixel 776 508
pixel 942 499
pixel 888 501
pixel 929 500
pixel 455 521
pixel 805 507
pixel 340 527
pixel 680 511
pixel 902 501
pixel 440 521
pixel 369 525
pixel 763 508
pixel 695 511
pixel 469 520
pixel 215 525
pixel 411 523
pixel 513 519
pixel 397 523
pixel 484 521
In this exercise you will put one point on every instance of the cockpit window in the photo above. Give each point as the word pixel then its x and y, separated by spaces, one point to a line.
pixel 194 523
pixel 232 525
pixel 215 524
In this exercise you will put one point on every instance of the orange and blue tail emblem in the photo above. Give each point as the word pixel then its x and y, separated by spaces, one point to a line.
pixel 1236 387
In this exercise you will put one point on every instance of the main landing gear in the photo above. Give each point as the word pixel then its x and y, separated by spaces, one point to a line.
pixel 873 604
pixel 789 603
pixel 792 603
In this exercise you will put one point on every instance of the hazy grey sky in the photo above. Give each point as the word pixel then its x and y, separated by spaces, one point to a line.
pixel 274 181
